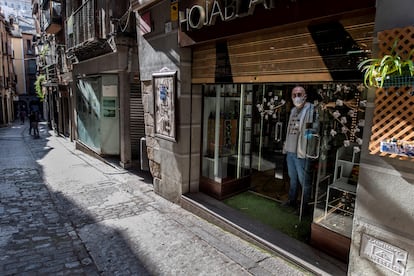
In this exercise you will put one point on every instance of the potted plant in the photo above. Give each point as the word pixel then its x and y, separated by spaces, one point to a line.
pixel 390 70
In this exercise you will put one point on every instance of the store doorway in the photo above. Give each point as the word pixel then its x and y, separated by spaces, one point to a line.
pixel 270 115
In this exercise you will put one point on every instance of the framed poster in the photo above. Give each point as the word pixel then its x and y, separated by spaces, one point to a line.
pixel 164 85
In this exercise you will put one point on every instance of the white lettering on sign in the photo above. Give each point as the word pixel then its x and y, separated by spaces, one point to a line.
pixel 230 10
pixel 215 11
pixel 384 254
pixel 196 17
pixel 206 15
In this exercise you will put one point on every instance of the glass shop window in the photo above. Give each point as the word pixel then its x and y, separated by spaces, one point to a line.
pixel 342 113
pixel 225 142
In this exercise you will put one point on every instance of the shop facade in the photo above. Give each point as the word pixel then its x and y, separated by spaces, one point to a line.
pixel 101 99
pixel 234 74
pixel 101 84
pixel 246 82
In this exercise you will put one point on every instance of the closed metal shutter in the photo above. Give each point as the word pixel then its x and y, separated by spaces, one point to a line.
pixel 303 52
pixel 136 120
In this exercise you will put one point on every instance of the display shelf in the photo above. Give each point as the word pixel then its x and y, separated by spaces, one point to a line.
pixel 342 185
pixel 340 197
pixel 341 193
pixel 226 141
pixel 337 223
pixel 247 125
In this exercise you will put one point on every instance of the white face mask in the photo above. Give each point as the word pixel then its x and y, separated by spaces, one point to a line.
pixel 298 101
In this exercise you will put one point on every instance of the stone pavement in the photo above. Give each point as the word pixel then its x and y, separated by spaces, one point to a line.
pixel 63 212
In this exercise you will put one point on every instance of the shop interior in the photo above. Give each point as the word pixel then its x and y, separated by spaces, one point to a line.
pixel 243 164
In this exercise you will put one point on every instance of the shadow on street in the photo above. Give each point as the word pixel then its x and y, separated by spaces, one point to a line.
pixel 52 205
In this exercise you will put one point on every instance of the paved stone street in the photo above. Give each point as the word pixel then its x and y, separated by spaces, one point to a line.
pixel 63 212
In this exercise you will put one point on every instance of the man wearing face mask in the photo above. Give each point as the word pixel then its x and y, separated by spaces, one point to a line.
pixel 302 123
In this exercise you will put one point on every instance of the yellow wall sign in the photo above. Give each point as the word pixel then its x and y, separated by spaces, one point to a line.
pixel 174 11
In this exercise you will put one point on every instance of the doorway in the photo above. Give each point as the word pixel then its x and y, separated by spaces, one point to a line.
pixel 269 119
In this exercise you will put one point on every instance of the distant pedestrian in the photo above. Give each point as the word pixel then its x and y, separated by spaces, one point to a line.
pixel 36 125
pixel 22 116
pixel 31 122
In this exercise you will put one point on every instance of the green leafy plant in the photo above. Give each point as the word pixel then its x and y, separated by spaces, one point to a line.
pixel 378 70
pixel 44 51
pixel 38 86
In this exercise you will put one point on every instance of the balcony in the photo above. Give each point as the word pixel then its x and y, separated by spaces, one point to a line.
pixel 91 28
pixel 81 25
pixel 52 16
pixel 51 75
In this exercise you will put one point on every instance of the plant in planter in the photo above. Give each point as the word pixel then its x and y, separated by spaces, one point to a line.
pixel 38 86
pixel 390 70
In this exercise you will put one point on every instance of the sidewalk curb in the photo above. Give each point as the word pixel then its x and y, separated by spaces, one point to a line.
pixel 213 217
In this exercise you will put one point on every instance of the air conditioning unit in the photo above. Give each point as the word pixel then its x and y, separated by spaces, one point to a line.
pixel 143 154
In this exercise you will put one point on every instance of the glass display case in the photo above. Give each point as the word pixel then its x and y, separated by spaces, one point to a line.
pixel 242 135
pixel 226 143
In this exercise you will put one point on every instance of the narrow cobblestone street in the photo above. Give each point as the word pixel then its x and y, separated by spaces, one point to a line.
pixel 65 213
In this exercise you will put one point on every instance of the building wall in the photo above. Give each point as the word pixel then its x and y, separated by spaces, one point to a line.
pixel 17 4
pixel 29 64
pixel 384 214
pixel 6 74
pixel 3 96
pixel 174 169
pixel 19 65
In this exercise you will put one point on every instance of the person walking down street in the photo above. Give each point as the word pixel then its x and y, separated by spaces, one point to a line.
pixel 36 124
pixel 31 122
pixel 302 123
pixel 22 116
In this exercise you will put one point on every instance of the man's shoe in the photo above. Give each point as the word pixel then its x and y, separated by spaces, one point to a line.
pixel 288 203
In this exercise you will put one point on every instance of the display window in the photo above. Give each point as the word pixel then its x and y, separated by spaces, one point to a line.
pixel 227 124
pixel 342 124
pixel 244 130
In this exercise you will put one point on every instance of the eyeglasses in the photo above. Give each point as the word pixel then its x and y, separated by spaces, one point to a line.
pixel 300 94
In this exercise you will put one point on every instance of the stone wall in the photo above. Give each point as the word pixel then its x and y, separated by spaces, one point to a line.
pixel 174 165
pixel 148 102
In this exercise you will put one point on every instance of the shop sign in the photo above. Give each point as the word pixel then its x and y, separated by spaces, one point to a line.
pixel 384 254
pixel 198 16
